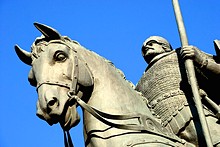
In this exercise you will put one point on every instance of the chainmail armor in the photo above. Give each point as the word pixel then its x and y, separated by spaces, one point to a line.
pixel 162 84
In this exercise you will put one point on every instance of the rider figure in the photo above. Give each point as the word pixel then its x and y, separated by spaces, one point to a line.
pixel 165 85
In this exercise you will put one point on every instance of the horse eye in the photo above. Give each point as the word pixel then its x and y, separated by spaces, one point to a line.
pixel 150 44
pixel 60 56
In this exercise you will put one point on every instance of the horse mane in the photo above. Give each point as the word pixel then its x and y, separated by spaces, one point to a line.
pixel 121 73
pixel 109 63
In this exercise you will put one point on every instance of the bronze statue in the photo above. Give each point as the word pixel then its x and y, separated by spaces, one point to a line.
pixel 66 75
pixel 170 99
pixel 175 103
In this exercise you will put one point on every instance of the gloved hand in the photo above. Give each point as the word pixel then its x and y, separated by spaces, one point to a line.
pixel 192 52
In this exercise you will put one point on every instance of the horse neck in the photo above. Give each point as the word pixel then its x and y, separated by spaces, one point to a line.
pixel 111 93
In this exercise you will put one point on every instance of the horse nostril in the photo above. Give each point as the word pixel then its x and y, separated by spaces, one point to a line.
pixel 52 103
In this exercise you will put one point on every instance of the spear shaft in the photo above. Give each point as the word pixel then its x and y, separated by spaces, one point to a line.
pixel 191 75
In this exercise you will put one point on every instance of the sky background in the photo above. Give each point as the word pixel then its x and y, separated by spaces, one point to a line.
pixel 115 29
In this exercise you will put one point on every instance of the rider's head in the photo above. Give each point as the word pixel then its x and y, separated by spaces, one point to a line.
pixel 153 46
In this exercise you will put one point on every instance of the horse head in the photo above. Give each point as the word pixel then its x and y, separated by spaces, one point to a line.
pixel 57 71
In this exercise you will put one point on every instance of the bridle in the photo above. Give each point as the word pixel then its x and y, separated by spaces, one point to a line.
pixel 72 88
pixel 146 124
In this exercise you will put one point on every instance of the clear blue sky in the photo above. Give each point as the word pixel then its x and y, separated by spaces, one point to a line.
pixel 114 29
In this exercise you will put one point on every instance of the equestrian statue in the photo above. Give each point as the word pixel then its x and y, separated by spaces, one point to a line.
pixel 174 104
pixel 67 75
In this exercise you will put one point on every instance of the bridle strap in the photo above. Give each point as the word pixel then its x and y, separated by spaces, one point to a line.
pixel 75 76
pixel 67 139
pixel 73 90
pixel 152 126
pixel 57 83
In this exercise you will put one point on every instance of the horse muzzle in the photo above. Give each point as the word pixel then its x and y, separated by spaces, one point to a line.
pixel 54 106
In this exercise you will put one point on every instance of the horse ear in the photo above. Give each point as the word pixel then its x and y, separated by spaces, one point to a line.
pixel 217 47
pixel 47 31
pixel 23 55
pixel 85 75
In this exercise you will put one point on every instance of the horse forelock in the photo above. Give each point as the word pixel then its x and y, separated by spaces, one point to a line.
pixel 40 42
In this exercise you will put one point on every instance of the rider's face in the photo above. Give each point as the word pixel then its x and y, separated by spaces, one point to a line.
pixel 152 48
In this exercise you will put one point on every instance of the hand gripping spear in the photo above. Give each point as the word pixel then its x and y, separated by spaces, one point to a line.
pixel 191 75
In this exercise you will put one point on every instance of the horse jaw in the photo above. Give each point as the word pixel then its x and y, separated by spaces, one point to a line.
pixel 70 118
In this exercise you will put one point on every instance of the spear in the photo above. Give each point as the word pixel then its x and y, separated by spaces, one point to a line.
pixel 191 75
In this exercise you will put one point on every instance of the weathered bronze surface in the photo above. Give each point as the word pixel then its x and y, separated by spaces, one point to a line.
pixel 66 75
pixel 170 99
pixel 175 103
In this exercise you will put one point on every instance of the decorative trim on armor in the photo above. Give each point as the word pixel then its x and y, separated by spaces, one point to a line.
pixel 172 93
pixel 167 106
pixel 178 120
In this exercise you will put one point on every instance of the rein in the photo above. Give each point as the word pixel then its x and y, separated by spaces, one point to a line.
pixel 67 139
pixel 146 123
pixel 73 88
